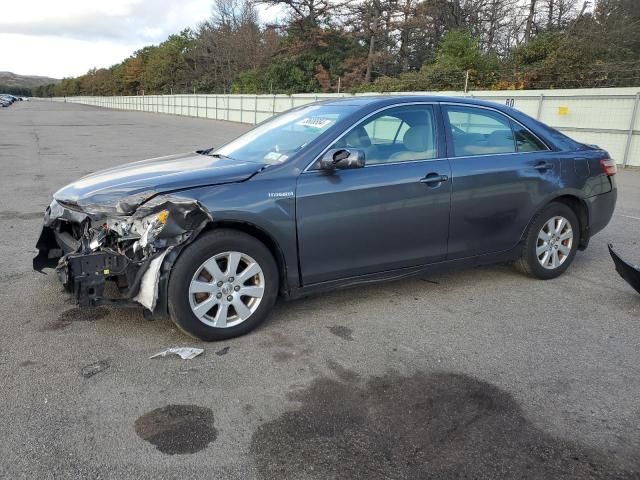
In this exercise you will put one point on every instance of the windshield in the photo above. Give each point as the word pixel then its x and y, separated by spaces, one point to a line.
pixel 278 139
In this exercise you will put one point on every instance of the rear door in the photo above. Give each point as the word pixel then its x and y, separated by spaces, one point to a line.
pixel 501 173
pixel 390 214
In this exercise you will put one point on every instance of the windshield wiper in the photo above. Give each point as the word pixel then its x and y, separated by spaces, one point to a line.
pixel 214 155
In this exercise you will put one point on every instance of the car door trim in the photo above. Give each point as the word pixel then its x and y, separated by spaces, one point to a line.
pixel 319 156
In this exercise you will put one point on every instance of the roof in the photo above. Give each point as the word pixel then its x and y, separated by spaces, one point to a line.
pixel 382 100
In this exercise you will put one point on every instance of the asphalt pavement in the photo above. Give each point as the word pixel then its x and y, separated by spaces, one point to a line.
pixel 484 373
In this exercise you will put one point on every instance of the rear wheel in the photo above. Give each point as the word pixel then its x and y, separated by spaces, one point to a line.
pixel 551 243
pixel 223 285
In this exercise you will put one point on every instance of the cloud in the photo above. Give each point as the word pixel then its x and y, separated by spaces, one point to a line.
pixel 68 37
pixel 117 20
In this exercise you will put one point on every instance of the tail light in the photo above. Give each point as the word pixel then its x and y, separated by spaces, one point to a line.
pixel 608 167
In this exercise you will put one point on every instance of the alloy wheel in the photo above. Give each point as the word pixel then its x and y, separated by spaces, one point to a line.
pixel 554 243
pixel 226 289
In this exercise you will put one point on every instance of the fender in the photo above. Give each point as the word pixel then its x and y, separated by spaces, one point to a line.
pixel 573 197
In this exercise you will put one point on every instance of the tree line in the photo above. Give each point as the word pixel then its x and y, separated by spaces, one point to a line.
pixel 383 45
pixel 13 90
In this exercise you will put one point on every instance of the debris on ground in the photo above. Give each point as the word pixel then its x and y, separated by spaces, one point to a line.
pixel 223 351
pixel 89 371
pixel 186 353
pixel 630 273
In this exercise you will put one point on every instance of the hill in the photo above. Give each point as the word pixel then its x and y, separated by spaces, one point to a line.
pixel 10 79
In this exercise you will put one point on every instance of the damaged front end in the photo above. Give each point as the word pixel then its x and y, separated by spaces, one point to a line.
pixel 127 243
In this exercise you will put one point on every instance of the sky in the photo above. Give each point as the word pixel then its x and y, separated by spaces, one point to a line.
pixel 65 38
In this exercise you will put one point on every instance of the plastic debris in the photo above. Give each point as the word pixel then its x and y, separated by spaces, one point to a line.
pixel 224 351
pixel 90 370
pixel 186 353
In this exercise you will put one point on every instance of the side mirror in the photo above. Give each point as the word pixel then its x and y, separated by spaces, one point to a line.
pixel 342 158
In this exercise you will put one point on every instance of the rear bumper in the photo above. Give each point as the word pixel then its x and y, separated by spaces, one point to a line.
pixel 630 273
pixel 601 209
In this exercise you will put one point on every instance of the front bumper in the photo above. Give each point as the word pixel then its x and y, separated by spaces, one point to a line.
pixel 85 275
pixel 88 251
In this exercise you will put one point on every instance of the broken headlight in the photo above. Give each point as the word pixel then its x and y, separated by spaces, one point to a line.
pixel 150 227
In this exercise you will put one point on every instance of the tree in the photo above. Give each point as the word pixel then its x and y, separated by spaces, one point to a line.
pixel 168 67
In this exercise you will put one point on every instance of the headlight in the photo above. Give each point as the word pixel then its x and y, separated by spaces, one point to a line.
pixel 150 227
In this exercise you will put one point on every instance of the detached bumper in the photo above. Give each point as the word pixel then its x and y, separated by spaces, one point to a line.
pixel 630 273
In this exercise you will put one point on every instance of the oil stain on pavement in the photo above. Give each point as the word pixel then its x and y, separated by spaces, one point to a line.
pixel 67 317
pixel 177 429
pixel 441 425
pixel 342 332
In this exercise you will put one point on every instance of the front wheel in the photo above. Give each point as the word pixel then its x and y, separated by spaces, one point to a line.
pixel 223 285
pixel 551 242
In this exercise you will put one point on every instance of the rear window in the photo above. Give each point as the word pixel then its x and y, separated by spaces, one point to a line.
pixel 525 140
pixel 476 131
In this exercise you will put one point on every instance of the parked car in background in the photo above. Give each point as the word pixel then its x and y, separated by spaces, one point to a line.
pixel 5 101
pixel 324 197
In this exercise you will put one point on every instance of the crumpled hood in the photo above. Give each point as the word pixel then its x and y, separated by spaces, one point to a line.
pixel 156 175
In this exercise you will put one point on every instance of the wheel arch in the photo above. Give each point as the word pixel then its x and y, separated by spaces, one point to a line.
pixel 578 206
pixel 264 237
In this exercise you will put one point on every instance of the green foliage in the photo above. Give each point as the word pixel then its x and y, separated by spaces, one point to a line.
pixel 458 51
pixel 458 54
pixel 166 67
pixel 535 51
pixel 303 65
pixel 18 91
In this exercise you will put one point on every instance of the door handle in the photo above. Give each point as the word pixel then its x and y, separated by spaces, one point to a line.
pixel 544 166
pixel 434 178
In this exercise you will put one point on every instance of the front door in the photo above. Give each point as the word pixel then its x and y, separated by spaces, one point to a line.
pixel 393 213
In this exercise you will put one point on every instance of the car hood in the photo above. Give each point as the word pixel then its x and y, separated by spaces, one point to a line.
pixel 141 180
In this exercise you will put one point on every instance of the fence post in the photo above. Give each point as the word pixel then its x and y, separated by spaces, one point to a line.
pixel 539 106
pixel 627 147
pixel 273 106
pixel 255 110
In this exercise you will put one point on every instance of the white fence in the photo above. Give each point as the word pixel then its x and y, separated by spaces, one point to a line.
pixel 607 117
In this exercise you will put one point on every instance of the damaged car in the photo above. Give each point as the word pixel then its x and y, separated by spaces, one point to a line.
pixel 324 197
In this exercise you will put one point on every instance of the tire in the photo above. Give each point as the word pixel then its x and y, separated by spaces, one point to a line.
pixel 193 288
pixel 548 221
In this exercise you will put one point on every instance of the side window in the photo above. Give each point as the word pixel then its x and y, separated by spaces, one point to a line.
pixel 525 140
pixel 384 130
pixel 395 135
pixel 475 131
